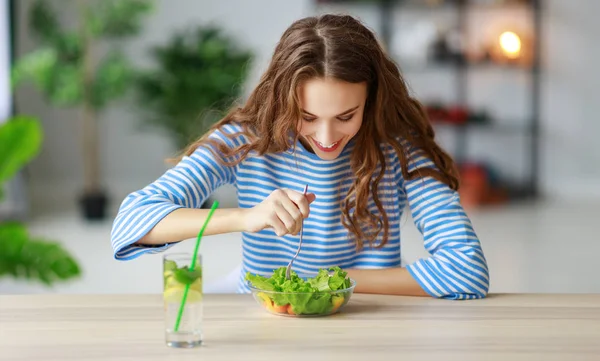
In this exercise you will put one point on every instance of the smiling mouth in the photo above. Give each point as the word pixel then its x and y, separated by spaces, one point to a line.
pixel 326 148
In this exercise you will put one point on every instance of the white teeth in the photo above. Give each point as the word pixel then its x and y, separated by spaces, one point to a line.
pixel 327 146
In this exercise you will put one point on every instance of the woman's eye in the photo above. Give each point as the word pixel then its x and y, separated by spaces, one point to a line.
pixel 308 119
pixel 346 118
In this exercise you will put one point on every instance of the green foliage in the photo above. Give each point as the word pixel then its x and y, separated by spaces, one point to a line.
pixel 20 140
pixel 24 257
pixel 43 22
pixel 58 68
pixel 200 73
pixel 69 67
pixel 116 18
pixel 20 255
pixel 113 77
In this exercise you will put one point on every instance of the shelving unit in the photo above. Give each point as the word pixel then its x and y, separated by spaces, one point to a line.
pixel 528 129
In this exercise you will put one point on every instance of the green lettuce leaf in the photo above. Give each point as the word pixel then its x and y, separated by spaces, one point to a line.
pixel 260 282
pixel 338 280
pixel 318 303
pixel 321 281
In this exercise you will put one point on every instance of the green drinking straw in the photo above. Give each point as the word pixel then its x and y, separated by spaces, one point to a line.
pixel 187 286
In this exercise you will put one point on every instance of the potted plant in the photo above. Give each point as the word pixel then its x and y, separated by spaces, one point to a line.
pixel 199 73
pixel 21 255
pixel 67 69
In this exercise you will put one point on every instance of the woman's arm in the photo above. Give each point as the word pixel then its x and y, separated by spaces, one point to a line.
pixel 283 210
pixel 168 210
pixel 457 268
pixel 185 223
pixel 389 281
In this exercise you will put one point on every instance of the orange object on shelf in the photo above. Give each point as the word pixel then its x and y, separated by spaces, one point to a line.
pixel 477 188
pixel 474 186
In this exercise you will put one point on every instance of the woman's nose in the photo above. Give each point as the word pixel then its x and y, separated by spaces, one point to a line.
pixel 326 134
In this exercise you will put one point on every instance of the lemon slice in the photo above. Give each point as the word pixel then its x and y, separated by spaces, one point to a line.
pixel 170 265
pixel 171 282
pixel 175 294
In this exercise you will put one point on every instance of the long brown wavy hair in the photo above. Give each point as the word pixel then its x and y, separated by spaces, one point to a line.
pixel 338 46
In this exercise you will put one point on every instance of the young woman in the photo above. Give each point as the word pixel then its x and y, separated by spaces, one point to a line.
pixel 331 112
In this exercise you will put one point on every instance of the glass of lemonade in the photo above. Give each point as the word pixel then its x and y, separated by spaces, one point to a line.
pixel 177 273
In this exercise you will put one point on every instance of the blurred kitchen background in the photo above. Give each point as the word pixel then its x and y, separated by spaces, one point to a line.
pixel 511 86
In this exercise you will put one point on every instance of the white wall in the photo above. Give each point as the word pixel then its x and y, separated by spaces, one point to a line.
pixel 571 124
pixel 131 159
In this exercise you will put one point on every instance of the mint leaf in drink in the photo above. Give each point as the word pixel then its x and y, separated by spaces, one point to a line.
pixel 186 276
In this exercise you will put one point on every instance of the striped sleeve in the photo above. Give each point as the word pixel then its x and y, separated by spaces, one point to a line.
pixel 457 268
pixel 186 185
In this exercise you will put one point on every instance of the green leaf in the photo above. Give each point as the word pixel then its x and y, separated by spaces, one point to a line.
pixel 321 281
pixel 66 86
pixel 20 255
pixel 59 81
pixel 69 47
pixel 20 141
pixel 318 303
pixel 297 300
pixel 37 66
pixel 45 25
pixel 43 22
pixel 27 258
pixel 117 18
pixel 112 79
pixel 186 276
pixel 339 279
pixel 260 282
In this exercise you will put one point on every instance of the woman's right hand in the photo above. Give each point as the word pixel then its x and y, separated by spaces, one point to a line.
pixel 283 210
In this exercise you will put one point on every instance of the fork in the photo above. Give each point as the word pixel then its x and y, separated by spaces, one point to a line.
pixel 289 267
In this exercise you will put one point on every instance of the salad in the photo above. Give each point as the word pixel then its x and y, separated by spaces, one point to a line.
pixel 314 296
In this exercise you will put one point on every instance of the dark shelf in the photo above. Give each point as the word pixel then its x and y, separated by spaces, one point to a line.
pixel 520 191
pixel 454 5
pixel 452 66
pixel 493 126
pixel 423 6
pixel 529 188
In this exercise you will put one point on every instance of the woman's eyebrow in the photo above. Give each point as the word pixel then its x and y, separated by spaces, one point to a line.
pixel 344 113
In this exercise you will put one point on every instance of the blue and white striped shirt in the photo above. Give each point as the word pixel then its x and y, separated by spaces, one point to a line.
pixel 456 269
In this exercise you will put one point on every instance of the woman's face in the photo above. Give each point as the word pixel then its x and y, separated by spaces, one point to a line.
pixel 332 113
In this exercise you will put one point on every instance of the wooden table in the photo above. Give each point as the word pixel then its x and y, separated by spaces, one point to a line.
pixel 130 327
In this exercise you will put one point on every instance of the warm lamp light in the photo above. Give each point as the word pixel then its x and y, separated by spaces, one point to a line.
pixel 510 44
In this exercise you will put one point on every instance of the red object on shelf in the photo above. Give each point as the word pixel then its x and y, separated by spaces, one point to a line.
pixel 477 188
pixel 452 115
pixel 436 113
pixel 457 115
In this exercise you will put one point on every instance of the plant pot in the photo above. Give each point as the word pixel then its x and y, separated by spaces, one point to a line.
pixel 93 205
